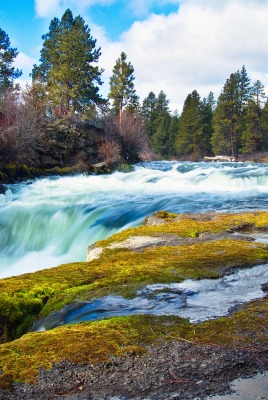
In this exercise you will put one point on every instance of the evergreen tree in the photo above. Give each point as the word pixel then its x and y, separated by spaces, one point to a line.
pixel 252 137
pixel 243 89
pixel 190 140
pixel 122 91
pixel 173 133
pixel 68 65
pixel 148 112
pixel 7 56
pixel 229 116
pixel 257 93
pixel 264 124
pixel 161 136
pixel 162 104
pixel 160 120
pixel 207 107
pixel 225 121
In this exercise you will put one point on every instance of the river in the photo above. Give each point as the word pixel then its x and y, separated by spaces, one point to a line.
pixel 50 221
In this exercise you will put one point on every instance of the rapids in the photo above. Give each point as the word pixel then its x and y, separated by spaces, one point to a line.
pixel 50 221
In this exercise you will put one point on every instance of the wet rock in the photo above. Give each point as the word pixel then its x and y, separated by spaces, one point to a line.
pixel 265 287
pixel 3 189
pixel 174 370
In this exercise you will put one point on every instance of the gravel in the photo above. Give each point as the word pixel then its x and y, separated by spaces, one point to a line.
pixel 174 370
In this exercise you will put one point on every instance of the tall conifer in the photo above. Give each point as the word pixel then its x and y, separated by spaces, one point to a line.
pixel 68 65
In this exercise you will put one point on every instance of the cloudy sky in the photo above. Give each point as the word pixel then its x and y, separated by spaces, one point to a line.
pixel 174 45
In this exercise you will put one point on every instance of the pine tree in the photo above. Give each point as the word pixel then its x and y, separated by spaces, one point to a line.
pixel 162 104
pixel 7 56
pixel 189 141
pixel 68 65
pixel 257 93
pixel 225 120
pixel 122 91
pixel 173 133
pixel 161 136
pixel 243 89
pixel 148 112
pixel 229 116
pixel 252 136
pixel 264 124
pixel 207 107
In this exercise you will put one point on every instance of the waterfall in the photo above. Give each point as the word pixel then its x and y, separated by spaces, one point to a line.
pixel 50 221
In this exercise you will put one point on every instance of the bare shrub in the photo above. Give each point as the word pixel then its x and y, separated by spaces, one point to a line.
pixel 20 129
pixel 128 132
pixel 110 152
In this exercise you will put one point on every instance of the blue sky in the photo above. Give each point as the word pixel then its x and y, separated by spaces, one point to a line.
pixel 174 45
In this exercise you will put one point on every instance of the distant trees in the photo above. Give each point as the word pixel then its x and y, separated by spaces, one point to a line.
pixel 238 125
pixel 66 84
pixel 68 67
pixel 161 126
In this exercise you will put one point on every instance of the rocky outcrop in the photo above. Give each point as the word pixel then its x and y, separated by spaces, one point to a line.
pixel 66 146
pixel 137 356
pixel 69 143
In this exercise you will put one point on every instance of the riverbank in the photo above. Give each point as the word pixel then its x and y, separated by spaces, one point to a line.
pixel 139 356
pixel 174 370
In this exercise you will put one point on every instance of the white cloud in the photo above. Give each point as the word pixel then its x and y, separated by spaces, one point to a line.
pixel 50 8
pixel 47 8
pixel 196 48
pixel 25 63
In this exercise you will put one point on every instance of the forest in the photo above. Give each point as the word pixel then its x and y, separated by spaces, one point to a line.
pixel 65 86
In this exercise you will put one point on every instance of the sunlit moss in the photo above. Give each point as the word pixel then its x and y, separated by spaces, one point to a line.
pixel 123 271
pixel 192 226
pixel 95 342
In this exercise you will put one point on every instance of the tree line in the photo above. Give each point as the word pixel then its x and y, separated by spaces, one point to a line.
pixel 66 83
pixel 235 124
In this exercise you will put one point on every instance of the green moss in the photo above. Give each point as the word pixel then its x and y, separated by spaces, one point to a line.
pixel 83 343
pixel 122 271
pixel 167 216
pixel 124 167
pixel 96 342
pixel 118 271
pixel 192 226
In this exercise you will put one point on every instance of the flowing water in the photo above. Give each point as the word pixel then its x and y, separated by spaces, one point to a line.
pixel 195 300
pixel 50 221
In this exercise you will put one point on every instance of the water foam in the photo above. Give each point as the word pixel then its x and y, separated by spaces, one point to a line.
pixel 53 220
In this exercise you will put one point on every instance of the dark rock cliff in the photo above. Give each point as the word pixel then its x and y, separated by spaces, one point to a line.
pixel 65 146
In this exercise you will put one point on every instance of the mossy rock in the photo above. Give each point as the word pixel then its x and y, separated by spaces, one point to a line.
pixel 98 342
pixel 123 270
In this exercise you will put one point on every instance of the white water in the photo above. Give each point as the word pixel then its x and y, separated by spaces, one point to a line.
pixel 53 220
